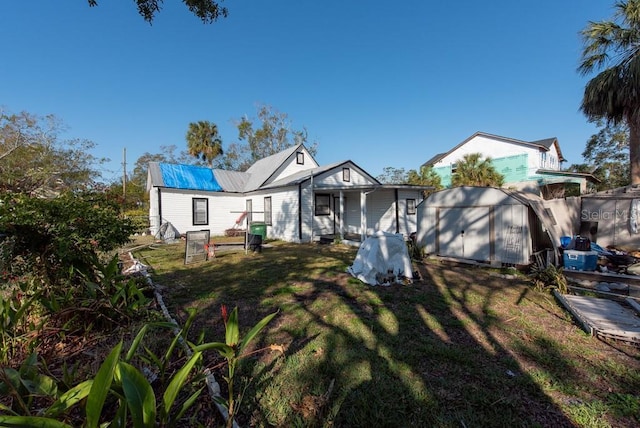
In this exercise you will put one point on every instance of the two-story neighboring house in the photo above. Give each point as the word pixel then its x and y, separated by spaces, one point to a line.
pixel 530 166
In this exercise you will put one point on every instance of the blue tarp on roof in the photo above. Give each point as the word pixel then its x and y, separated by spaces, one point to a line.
pixel 189 177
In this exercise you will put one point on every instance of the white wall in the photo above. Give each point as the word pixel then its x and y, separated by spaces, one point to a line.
pixel 334 178
pixel 284 212
pixel 177 208
pixel 496 148
pixel 154 216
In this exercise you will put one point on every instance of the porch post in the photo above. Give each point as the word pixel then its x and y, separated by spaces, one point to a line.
pixel 341 225
pixel 313 206
pixel 363 215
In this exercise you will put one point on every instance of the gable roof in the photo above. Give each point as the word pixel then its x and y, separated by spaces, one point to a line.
pixel 190 177
pixel 301 176
pixel 544 144
pixel 263 169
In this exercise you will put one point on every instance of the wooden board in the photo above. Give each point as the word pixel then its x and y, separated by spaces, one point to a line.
pixel 604 317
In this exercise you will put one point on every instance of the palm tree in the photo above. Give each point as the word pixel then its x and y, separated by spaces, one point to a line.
pixel 203 141
pixel 614 94
pixel 473 170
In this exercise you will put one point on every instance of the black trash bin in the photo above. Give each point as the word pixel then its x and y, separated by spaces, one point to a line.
pixel 255 242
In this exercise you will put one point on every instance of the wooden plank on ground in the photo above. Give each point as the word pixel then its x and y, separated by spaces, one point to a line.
pixel 606 317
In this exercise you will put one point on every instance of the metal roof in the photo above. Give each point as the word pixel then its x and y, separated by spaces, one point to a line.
pixel 264 168
pixel 231 181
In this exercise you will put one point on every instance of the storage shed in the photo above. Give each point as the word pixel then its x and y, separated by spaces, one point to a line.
pixel 498 226
pixel 612 217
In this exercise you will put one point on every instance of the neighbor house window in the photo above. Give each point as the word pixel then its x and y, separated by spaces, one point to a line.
pixel 411 206
pixel 267 210
pixel 346 174
pixel 300 158
pixel 200 211
pixel 322 204
pixel 454 168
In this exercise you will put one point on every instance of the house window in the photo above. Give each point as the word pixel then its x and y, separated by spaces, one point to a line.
pixel 454 168
pixel 200 211
pixel 411 206
pixel 267 210
pixel 322 204
pixel 346 174
pixel 300 158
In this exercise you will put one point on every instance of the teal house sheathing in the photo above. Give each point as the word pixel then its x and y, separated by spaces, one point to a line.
pixel 530 166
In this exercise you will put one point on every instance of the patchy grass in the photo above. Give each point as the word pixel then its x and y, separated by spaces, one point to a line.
pixel 464 347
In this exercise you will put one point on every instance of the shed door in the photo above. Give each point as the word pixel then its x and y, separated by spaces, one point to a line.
pixel 464 233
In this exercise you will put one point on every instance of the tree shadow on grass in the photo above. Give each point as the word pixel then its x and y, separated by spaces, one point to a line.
pixel 452 350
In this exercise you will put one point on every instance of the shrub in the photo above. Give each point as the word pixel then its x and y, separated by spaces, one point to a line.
pixel 549 277
pixel 53 238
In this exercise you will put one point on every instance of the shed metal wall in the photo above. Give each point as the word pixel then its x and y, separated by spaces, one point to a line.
pixel 476 223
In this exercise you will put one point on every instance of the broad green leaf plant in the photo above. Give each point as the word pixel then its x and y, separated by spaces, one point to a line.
pixel 233 350
pixel 118 379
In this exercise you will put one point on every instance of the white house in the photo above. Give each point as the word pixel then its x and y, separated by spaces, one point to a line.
pixel 298 200
pixel 531 166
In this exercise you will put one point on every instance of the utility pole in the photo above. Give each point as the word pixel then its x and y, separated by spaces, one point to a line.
pixel 124 179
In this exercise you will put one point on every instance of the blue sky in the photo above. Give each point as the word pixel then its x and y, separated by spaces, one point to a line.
pixel 384 84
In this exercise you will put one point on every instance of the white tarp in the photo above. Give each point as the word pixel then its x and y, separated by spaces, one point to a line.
pixel 383 259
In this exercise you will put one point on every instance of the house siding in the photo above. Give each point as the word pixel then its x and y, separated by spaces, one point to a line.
pixel 381 209
pixel 284 208
pixel 335 178
pixel 408 222
pixel 517 162
pixel 353 213
pixel 154 211
pixel 307 215
pixel 177 209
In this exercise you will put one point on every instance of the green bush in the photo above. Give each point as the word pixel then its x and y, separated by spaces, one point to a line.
pixel 55 238
pixel 139 219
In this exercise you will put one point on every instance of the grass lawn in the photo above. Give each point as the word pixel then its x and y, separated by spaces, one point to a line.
pixel 464 347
